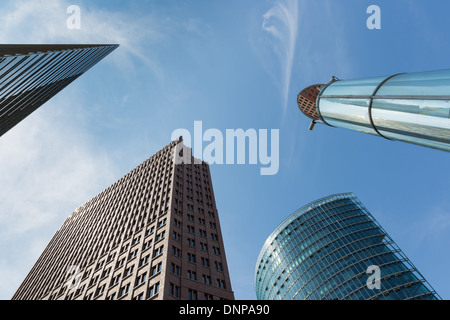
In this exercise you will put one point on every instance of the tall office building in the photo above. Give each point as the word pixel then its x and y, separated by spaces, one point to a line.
pixel 413 107
pixel 333 249
pixel 30 75
pixel 154 234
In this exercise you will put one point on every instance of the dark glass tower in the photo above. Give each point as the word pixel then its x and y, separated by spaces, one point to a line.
pixel 30 75
pixel 412 107
pixel 329 249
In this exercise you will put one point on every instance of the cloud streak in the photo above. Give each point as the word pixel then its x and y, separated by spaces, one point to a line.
pixel 280 24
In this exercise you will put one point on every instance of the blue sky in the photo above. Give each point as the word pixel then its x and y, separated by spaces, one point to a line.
pixel 230 64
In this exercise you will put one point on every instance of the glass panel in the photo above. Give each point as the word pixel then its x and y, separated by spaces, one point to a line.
pixel 347 113
pixel 420 125
pixel 436 108
pixel 418 84
pixel 358 87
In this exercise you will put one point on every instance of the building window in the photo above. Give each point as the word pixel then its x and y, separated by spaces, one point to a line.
pixel 120 263
pixel 192 294
pixel 221 283
pixel 192 275
pixel 124 248
pixel 79 290
pixel 99 265
pixel 156 269
pixel 205 262
pixel 206 279
pixel 175 269
pixel 141 279
pixel 93 281
pixel 136 240
pixel 115 280
pixel 128 271
pixel 139 296
pixel 174 290
pixel 100 290
pixel 105 273
pixel 218 266
pixel 191 243
pixel 158 251
pixel 191 257
pixel 124 290
pixel 160 236
pixel 177 223
pixel 144 260
pixel 162 222
pixel 176 252
pixel 150 231
pixel 89 296
pixel 208 296
pixel 110 257
pixel 147 245
pixel 111 297
pixel 153 290
pixel 133 254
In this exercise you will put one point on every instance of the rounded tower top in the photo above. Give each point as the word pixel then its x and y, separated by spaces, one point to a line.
pixel 306 101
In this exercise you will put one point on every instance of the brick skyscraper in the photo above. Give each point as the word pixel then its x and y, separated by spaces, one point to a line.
pixel 154 234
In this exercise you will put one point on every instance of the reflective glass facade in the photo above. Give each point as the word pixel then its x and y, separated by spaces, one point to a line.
pixel 31 74
pixel 324 250
pixel 413 107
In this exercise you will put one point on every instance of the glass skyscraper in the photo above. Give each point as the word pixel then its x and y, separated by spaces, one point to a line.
pixel 412 107
pixel 30 75
pixel 334 249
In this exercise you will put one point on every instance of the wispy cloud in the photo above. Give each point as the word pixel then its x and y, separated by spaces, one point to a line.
pixel 46 165
pixel 280 28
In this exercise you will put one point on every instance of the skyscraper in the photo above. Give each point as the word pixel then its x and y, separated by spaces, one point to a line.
pixel 154 234
pixel 30 75
pixel 333 248
pixel 413 107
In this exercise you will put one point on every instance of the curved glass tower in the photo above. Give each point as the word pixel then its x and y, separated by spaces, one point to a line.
pixel 412 107
pixel 334 249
